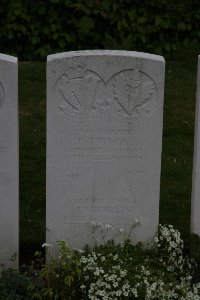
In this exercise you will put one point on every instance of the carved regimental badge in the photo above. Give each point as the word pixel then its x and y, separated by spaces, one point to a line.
pixel 127 94
pixel 78 88
pixel 2 96
pixel 134 94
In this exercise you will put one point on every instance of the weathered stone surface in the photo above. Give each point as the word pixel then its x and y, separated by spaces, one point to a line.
pixel 195 210
pixel 9 200
pixel 104 137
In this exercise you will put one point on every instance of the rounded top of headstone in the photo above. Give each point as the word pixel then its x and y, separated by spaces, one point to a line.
pixel 121 53
pixel 8 58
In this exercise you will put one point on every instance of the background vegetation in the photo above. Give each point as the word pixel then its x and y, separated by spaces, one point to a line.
pixel 32 29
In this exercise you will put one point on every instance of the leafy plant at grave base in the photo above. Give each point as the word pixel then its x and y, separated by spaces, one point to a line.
pixel 59 278
pixel 108 271
pixel 14 285
pixel 123 271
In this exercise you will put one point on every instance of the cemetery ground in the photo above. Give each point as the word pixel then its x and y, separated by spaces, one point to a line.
pixel 175 202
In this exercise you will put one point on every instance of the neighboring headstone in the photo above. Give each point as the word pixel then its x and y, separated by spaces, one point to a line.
pixel 104 138
pixel 195 210
pixel 9 200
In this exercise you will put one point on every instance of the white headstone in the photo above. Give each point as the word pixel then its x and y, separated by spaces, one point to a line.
pixel 104 137
pixel 9 200
pixel 195 209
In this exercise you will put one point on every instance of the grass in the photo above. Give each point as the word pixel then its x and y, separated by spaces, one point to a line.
pixel 176 177
pixel 32 112
pixel 178 136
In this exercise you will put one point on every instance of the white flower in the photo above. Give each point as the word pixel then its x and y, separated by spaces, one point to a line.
pixel 115 257
pixel 96 273
pixel 93 223
pixel 156 240
pixel 82 286
pixel 47 245
pixel 118 293
pixel 79 250
pixel 108 226
pixel 134 291
pixel 136 221
pixel 123 273
pixel 115 284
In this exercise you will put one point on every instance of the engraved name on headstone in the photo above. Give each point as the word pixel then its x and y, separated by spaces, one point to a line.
pixel 9 201
pixel 195 209
pixel 104 138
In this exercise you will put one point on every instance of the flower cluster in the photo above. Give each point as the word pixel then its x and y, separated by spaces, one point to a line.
pixel 156 286
pixel 171 247
pixel 104 277
pixel 165 277
pixel 113 271
pixel 101 233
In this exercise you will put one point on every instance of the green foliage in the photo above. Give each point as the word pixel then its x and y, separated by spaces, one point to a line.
pixel 14 285
pixel 59 278
pixel 108 271
pixel 33 29
pixel 195 246
pixel 195 253
pixel 129 271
